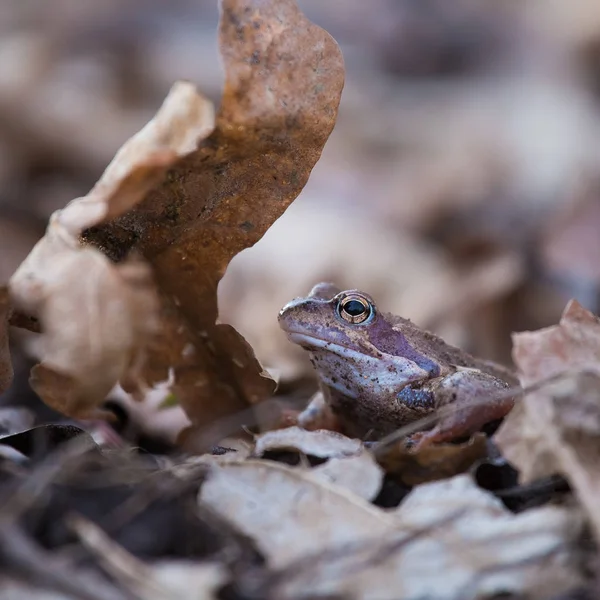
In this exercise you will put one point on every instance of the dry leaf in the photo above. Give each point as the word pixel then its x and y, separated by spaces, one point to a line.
pixel 431 462
pixel 97 318
pixel 457 542
pixel 321 443
pixel 286 510
pixel 448 540
pixel 6 369
pixel 556 429
pixel 283 80
pixel 350 465
pixel 358 474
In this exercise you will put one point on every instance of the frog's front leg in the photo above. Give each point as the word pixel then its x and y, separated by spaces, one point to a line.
pixel 468 399
pixel 318 415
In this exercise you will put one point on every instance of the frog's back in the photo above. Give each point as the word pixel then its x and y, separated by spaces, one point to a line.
pixel 443 353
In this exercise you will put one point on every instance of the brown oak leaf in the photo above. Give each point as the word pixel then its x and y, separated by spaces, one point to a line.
pixel 283 81
pixel 437 461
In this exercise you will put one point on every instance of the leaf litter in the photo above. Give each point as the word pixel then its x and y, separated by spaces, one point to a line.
pixel 121 293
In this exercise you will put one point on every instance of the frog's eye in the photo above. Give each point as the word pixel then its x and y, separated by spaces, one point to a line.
pixel 355 309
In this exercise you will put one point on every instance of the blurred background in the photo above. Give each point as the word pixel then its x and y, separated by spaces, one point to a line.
pixel 460 187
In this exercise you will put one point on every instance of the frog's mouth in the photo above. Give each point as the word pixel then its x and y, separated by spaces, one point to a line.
pixel 308 342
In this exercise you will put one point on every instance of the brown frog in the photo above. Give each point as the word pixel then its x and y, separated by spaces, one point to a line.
pixel 379 372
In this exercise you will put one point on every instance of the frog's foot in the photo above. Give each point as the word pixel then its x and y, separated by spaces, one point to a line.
pixel 318 415
pixel 465 405
pixel 461 423
pixel 437 435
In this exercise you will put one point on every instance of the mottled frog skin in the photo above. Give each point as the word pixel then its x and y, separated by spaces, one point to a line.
pixel 378 372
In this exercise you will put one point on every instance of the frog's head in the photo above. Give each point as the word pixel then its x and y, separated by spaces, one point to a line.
pixel 355 348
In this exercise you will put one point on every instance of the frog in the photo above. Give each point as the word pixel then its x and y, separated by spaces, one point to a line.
pixel 378 372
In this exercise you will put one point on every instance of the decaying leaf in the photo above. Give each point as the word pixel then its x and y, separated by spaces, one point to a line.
pixel 431 462
pixel 97 318
pixel 6 370
pixel 556 428
pixel 452 541
pixel 283 80
pixel 321 443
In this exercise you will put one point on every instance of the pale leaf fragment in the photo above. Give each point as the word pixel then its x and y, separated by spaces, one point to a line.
pixel 556 429
pixel 358 474
pixel 147 413
pixel 98 318
pixel 321 443
pixel 184 119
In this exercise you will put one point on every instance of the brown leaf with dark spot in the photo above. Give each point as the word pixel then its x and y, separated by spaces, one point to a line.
pixel 431 462
pixel 6 369
pixel 284 77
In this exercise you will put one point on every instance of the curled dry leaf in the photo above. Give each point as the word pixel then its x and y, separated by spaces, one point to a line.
pixel 451 541
pixel 350 465
pixel 6 369
pixel 431 462
pixel 97 318
pixel 283 81
pixel 556 428
pixel 321 443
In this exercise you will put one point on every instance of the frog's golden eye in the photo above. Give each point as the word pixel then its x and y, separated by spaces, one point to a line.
pixel 355 309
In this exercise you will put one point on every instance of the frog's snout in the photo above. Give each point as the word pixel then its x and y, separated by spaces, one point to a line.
pixel 289 312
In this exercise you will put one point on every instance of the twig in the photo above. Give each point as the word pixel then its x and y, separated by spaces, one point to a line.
pixel 38 568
